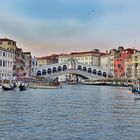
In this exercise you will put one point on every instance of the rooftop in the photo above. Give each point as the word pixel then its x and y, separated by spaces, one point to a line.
pixel 6 39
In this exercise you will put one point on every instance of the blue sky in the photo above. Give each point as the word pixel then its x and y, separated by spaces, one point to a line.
pixel 62 26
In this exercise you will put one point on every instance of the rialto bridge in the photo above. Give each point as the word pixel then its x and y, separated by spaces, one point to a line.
pixel 72 66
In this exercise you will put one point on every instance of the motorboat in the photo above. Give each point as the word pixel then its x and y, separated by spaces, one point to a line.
pixel 136 86
pixel 96 83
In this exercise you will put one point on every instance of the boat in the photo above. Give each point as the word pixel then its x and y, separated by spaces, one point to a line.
pixel 134 90
pixel 100 84
pixel 96 83
pixel 71 82
pixel 105 83
pixel 8 87
pixel 22 87
pixel 44 87
pixel 42 83
pixel 136 86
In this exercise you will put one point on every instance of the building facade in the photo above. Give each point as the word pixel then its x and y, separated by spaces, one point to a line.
pixel 128 67
pixel 7 60
pixel 20 63
pixel 120 59
pixel 28 59
pixel 47 60
pixel 34 65
pixel 8 44
pixel 107 63
pixel 89 58
pixel 136 65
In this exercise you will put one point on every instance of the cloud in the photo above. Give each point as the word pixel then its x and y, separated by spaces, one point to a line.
pixel 68 25
pixel 32 28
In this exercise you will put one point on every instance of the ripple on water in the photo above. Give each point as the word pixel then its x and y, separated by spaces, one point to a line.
pixel 71 113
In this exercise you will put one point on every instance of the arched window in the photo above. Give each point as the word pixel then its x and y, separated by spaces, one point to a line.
pixel 38 73
pixel 59 68
pixel 89 70
pixel 104 74
pixel 64 67
pixel 84 69
pixel 79 67
pixel 99 73
pixel 44 72
pixel 54 69
pixel 94 71
pixel 49 71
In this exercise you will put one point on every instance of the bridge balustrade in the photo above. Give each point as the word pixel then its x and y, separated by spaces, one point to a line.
pixel 61 68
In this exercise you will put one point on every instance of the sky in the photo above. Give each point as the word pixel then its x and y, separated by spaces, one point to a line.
pixel 46 27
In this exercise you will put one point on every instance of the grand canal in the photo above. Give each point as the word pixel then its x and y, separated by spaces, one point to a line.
pixel 72 113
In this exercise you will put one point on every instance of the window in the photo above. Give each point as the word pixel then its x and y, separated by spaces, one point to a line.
pixel 3 53
pixel 9 43
pixel 0 63
pixel 33 63
pixel 3 63
pixel 6 63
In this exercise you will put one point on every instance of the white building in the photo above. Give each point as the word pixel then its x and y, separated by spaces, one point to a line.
pixel 107 63
pixel 104 62
pixel 90 57
pixel 111 64
pixel 7 60
pixel 135 73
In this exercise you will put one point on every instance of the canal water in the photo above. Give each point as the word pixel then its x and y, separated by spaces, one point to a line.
pixel 75 112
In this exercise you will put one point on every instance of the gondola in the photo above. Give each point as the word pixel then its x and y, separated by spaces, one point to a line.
pixel 22 88
pixel 7 88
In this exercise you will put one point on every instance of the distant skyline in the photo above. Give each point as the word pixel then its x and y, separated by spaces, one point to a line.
pixel 63 26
